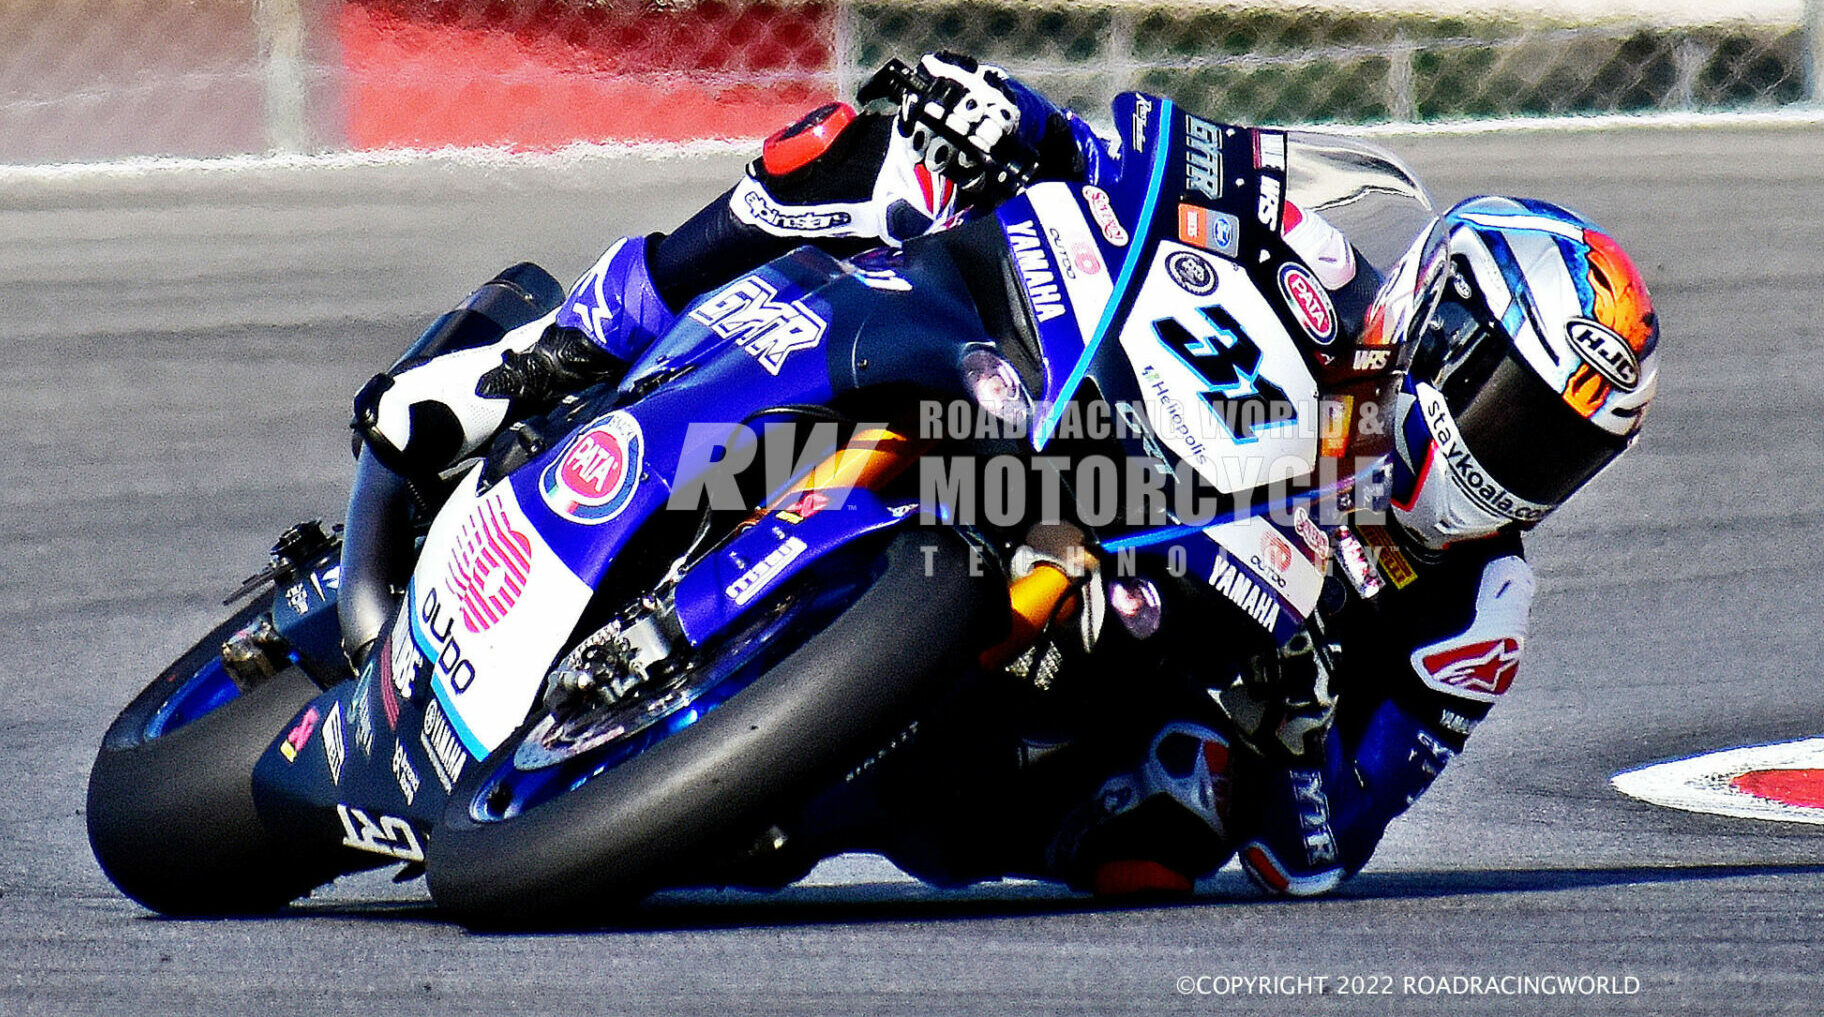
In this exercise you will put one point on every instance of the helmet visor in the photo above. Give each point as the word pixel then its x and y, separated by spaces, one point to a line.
pixel 1528 439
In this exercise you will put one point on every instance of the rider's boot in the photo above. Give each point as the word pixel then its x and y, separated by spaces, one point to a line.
pixel 1157 828
pixel 427 414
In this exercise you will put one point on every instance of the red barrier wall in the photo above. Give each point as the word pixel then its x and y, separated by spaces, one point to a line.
pixel 544 73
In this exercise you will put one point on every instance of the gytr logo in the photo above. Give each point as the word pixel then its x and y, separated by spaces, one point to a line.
pixel 767 329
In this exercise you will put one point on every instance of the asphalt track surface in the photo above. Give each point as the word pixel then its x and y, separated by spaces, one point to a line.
pixel 177 357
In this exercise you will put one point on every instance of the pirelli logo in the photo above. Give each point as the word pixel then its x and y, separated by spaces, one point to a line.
pixel 1388 557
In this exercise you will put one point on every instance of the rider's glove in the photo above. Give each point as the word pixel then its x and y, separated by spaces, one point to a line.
pixel 975 107
pixel 1282 703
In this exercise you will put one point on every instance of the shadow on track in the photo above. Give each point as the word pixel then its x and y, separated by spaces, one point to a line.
pixel 887 903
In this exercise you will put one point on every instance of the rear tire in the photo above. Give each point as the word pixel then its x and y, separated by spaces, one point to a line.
pixel 706 790
pixel 171 815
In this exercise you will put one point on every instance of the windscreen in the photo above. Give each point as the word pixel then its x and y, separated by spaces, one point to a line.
pixel 1362 189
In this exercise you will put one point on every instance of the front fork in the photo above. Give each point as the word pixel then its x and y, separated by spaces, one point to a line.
pixel 1043 596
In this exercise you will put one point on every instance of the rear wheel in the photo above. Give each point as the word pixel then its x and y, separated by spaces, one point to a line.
pixel 170 808
pixel 572 817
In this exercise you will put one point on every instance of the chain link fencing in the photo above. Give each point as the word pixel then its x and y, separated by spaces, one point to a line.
pixel 96 79
pixel 1293 63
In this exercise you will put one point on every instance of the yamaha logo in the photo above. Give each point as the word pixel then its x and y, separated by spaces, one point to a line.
pixel 1606 352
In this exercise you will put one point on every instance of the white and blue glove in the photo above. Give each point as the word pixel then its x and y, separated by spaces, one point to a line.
pixel 956 127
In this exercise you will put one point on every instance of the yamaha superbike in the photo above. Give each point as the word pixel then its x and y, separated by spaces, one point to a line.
pixel 609 656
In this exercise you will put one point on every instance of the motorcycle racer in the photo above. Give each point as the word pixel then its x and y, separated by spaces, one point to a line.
pixel 1533 360
pixel 1531 340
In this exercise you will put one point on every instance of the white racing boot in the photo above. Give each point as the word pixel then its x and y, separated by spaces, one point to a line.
pixel 424 417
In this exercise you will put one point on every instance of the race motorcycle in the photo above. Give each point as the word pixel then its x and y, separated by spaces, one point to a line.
pixel 552 694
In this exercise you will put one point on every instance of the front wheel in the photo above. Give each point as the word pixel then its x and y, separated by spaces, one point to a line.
pixel 170 809
pixel 820 676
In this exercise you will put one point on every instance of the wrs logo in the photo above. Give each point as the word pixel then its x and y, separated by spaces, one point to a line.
pixel 489 566
pixel 1481 670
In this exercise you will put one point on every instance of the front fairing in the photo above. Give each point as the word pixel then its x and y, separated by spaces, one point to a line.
pixel 1163 286
pixel 508 569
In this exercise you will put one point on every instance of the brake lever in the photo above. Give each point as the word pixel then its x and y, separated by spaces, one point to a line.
pixel 1010 164
pixel 894 81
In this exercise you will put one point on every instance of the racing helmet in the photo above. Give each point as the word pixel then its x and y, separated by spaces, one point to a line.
pixel 1532 344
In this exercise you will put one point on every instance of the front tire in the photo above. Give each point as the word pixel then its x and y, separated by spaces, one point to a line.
pixel 843 692
pixel 170 807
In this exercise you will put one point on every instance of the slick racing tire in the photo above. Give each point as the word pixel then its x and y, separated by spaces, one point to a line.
pixel 840 689
pixel 170 811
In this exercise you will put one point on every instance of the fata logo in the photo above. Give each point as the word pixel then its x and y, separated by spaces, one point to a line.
pixel 596 474
pixel 1482 669
pixel 489 566
pixel 1310 304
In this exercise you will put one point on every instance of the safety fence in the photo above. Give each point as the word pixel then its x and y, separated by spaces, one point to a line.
pixel 97 79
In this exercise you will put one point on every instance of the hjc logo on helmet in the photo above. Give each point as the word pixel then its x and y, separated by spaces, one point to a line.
pixel 1609 354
